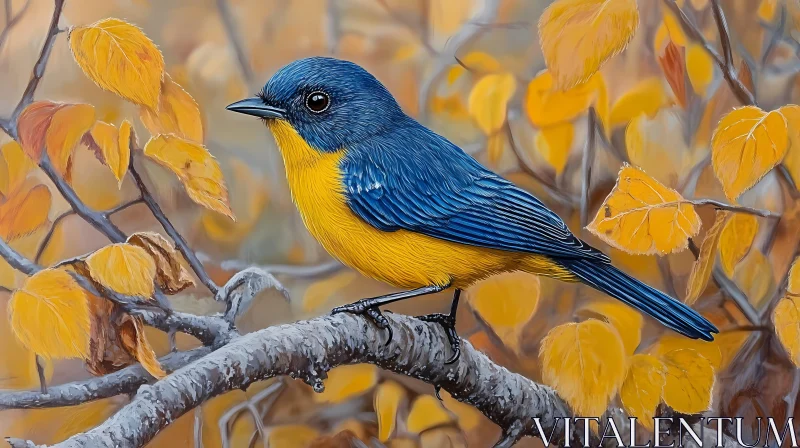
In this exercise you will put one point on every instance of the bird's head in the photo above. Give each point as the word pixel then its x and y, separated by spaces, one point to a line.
pixel 330 103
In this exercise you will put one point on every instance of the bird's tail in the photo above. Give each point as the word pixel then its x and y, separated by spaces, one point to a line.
pixel 670 312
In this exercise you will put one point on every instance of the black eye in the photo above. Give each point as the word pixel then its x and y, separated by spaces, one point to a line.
pixel 318 102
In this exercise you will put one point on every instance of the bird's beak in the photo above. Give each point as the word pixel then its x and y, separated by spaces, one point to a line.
pixel 255 106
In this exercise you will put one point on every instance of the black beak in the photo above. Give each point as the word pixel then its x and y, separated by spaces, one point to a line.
pixel 255 106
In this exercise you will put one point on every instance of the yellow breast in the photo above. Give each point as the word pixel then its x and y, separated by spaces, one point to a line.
pixel 402 258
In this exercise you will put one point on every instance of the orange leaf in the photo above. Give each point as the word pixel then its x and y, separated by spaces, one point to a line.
pixel 66 129
pixel 110 150
pixel 135 342
pixel 701 269
pixel 33 124
pixel 15 165
pixel 672 63
pixel 23 213
pixel 177 113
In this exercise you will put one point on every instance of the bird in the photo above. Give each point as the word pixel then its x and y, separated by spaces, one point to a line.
pixel 399 203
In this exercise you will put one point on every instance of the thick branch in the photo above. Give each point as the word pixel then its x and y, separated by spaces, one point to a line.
pixel 309 349
pixel 124 381
pixel 180 242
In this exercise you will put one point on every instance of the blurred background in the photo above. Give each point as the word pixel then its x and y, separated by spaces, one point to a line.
pixel 222 51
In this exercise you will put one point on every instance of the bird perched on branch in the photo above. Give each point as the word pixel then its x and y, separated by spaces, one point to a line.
pixel 401 204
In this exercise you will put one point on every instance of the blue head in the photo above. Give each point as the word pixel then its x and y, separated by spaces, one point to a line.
pixel 331 103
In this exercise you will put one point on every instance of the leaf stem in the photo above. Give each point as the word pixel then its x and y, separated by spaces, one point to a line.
pixel 180 242
pixel 586 166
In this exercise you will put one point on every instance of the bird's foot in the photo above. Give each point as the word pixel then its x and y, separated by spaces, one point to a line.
pixel 369 309
pixel 448 322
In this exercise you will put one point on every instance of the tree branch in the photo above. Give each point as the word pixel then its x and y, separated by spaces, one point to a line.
pixel 736 208
pixel 11 22
pixel 49 236
pixel 235 38
pixel 309 349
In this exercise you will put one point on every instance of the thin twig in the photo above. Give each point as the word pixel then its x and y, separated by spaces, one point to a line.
pixel 728 69
pixel 113 211
pixel 11 22
pixel 736 208
pixel 296 271
pixel 235 38
pixel 40 371
pixel 49 236
pixel 586 166
pixel 775 35
pixel 177 238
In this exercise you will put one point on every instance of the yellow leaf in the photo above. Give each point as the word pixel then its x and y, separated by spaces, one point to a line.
pixel 792 159
pixel 787 326
pixel 642 216
pixel 67 127
pixel 598 30
pixel 468 417
pixel 388 398
pixel 646 97
pixel 673 27
pixel 793 282
pixel 767 9
pixel 644 384
pixel 488 100
pixel 495 145
pixel 112 152
pixel 585 363
pixel 248 206
pixel 554 144
pixel 754 277
pixel 689 381
pixel 345 382
pixel 747 143
pixel 195 167
pixel 177 113
pixel 627 321
pixel 50 315
pixel 24 212
pixel 701 269
pixel 426 413
pixel 506 302
pixel 124 268
pixel 735 240
pixel 319 292
pixel 16 165
pixel 135 342
pixel 292 436
pixel 670 342
pixel 547 106
pixel 171 277
pixel 119 58
pixel 478 61
pixel 700 68
pixel 651 146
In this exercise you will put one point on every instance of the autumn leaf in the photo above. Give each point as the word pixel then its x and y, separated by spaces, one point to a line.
pixel 793 280
pixel 135 342
pixel 177 113
pixel 111 149
pixel 24 212
pixel 495 145
pixel 119 58
pixel 646 97
pixel 700 68
pixel 124 268
pixel 674 67
pixel 554 143
pixel 598 30
pixel 747 143
pixel 34 121
pixel 642 216
pixel 171 276
pixel 388 398
pixel 547 106
pixel 644 384
pixel 585 363
pixel 689 381
pixel 50 315
pixel 701 269
pixel 754 277
pixel 426 413
pixel 345 382
pixel 195 167
pixel 67 127
pixel 318 293
pixel 292 436
pixel 506 302
pixel 673 28
pixel 627 321
pixel 767 9
pixel 786 318
pixel 735 240
pixel 468 417
pixel 15 166
pixel 792 159
pixel 671 341
pixel 477 61
pixel 488 101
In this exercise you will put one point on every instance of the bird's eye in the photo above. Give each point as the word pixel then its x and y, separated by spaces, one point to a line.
pixel 318 102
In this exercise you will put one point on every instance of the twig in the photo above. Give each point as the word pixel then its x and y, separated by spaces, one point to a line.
pixel 113 211
pixel 736 208
pixel 422 28
pixel 296 271
pixel 775 35
pixel 124 381
pixel 10 125
pixel 11 22
pixel 42 379
pixel 50 233
pixel 727 68
pixel 235 38
pixel 333 26
pixel 586 166
pixel 273 390
pixel 180 242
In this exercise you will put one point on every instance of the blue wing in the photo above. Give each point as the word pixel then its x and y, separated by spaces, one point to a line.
pixel 414 179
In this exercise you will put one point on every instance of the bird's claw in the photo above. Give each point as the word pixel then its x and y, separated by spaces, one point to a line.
pixel 366 308
pixel 448 322
pixel 436 389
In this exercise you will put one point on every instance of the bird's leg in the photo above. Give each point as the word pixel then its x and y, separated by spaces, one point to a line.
pixel 448 322
pixel 370 307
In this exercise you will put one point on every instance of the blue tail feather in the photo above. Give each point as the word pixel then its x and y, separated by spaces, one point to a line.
pixel 670 312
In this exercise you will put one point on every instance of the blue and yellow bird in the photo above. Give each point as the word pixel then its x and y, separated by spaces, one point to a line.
pixel 399 203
